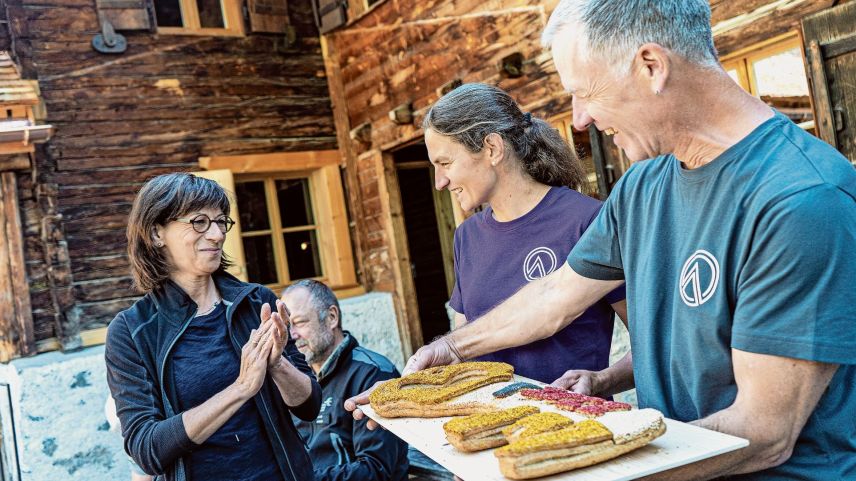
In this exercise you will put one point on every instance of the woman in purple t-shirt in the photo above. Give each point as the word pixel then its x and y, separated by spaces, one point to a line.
pixel 486 151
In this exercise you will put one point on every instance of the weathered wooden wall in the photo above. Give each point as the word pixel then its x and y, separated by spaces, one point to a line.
pixel 121 119
pixel 425 44
pixel 403 51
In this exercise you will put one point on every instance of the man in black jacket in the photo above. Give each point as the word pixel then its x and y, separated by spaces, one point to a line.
pixel 340 448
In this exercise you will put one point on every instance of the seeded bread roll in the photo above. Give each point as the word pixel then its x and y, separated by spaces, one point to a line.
pixel 583 444
pixel 484 430
pixel 430 393
pixel 536 424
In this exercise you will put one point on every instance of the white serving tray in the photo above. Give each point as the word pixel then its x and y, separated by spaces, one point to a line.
pixel 681 444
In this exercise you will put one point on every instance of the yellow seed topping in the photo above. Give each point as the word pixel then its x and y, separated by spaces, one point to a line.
pixel 477 422
pixel 585 432
pixel 538 423
pixel 442 383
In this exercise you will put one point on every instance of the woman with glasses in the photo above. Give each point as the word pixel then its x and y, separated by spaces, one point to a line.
pixel 203 371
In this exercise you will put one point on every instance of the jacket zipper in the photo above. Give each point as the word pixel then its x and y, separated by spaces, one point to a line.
pixel 229 312
pixel 180 474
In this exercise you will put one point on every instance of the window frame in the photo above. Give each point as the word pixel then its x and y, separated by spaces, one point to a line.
pixel 328 208
pixel 276 230
pixel 743 59
pixel 232 17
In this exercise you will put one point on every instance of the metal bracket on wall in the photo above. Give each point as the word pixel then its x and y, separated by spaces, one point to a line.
pixel 108 41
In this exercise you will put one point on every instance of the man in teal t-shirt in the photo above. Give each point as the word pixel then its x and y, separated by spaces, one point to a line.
pixel 752 251
pixel 736 240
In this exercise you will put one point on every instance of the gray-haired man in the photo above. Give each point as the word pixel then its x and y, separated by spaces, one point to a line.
pixel 341 449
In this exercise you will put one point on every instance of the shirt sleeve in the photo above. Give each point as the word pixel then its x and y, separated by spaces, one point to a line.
pixel 794 293
pixel 597 255
pixel 456 302
pixel 153 440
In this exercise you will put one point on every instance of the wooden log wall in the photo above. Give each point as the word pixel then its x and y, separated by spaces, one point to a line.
pixel 425 44
pixel 402 51
pixel 122 119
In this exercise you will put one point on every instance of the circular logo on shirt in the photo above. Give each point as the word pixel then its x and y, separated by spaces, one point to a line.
pixel 699 278
pixel 539 263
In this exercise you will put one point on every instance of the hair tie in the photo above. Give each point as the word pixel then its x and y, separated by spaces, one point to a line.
pixel 527 119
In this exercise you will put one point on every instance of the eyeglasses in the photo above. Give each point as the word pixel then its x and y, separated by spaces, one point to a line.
pixel 201 223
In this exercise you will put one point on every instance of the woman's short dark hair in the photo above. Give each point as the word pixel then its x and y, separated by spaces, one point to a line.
pixel 162 199
pixel 472 111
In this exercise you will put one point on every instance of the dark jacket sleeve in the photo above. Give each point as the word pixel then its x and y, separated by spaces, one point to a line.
pixel 307 411
pixel 154 441
pixel 379 453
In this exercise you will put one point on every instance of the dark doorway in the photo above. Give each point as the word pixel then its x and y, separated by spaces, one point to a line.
pixel 429 227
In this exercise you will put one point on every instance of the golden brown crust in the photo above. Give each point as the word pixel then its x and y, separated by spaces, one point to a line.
pixel 536 424
pixel 484 430
pixel 427 393
pixel 551 461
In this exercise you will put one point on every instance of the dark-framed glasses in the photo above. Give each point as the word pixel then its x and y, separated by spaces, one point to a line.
pixel 201 223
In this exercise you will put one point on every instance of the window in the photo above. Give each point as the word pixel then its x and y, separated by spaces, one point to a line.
pixel 279 233
pixel 775 72
pixel 291 217
pixel 205 17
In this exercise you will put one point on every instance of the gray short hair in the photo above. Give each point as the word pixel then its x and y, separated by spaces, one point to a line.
pixel 615 29
pixel 320 295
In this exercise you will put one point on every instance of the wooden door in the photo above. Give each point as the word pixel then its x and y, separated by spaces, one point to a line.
pixel 829 41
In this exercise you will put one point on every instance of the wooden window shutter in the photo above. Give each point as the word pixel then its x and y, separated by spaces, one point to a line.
pixel 125 14
pixel 330 14
pixel 234 246
pixel 268 16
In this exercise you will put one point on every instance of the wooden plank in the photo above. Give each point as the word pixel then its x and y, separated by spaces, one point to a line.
pixel 16 321
pixel 347 154
pixel 836 118
pixel 823 115
pixel 274 162
pixel 409 327
pixel 333 226
pixel 768 23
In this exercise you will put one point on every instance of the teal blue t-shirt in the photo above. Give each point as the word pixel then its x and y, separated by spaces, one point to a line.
pixel 754 251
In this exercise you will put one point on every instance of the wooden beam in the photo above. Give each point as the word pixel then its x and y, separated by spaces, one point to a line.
pixel 16 318
pixel 347 154
pixel 770 20
pixel 275 162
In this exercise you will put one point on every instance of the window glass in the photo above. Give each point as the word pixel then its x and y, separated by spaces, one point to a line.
pixel 261 262
pixel 301 249
pixel 168 13
pixel 252 205
pixel 210 14
pixel 781 75
pixel 295 205
pixel 781 82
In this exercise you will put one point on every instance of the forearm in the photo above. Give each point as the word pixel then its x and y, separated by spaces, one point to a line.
pixel 204 420
pixel 616 378
pixel 764 451
pixel 294 386
pixel 537 311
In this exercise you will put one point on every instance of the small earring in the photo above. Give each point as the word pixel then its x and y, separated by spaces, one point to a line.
pixel 657 92
pixel 159 244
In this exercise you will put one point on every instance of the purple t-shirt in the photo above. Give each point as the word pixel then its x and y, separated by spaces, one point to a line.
pixel 493 260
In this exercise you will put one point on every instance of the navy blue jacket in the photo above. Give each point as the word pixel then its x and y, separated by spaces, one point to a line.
pixel 139 342
pixel 341 448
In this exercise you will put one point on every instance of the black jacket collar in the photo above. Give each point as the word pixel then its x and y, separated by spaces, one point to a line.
pixel 343 349
pixel 174 303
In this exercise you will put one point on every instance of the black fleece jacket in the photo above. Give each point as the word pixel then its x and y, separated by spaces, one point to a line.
pixel 341 448
pixel 139 344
